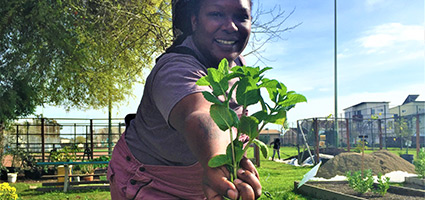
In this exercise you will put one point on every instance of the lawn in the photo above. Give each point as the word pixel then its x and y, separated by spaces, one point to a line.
pixel 277 180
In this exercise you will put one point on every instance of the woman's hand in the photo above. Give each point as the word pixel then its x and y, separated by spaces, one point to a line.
pixel 248 176
pixel 216 182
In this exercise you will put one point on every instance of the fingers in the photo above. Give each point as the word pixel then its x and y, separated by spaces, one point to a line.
pixel 245 190
pixel 251 184
pixel 211 194
pixel 246 164
pixel 216 185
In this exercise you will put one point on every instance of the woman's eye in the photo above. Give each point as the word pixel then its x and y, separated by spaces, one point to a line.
pixel 215 14
pixel 242 17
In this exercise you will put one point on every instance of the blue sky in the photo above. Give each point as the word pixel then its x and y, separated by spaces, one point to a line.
pixel 380 56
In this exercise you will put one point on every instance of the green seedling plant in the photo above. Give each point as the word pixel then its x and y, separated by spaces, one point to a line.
pixel 383 185
pixel 361 182
pixel 250 80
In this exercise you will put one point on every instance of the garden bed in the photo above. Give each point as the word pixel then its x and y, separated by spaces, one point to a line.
pixel 341 191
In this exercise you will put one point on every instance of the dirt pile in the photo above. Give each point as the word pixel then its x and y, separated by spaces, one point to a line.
pixel 381 161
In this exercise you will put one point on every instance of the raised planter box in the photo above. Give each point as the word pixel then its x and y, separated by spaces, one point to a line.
pixel 415 180
pixel 322 193
pixel 311 189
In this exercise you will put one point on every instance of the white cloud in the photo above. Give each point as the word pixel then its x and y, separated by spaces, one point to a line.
pixel 388 35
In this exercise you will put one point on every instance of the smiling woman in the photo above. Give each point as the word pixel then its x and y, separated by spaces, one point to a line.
pixel 165 150
pixel 221 29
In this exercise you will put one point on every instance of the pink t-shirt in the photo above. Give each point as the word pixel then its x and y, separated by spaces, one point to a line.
pixel 150 138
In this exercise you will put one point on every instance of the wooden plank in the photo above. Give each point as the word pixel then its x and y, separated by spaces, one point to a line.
pixel 322 193
pixel 50 189
pixel 75 183
pixel 72 163
pixel 72 175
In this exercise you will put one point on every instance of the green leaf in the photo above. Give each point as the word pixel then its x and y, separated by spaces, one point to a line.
pixel 263 147
pixel 249 126
pixel 211 98
pixel 223 66
pixel 292 99
pixel 218 81
pixel 203 82
pixel 260 115
pixel 238 145
pixel 278 118
pixel 265 69
pixel 224 117
pixel 219 160
pixel 247 93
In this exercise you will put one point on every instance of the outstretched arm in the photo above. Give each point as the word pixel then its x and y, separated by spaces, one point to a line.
pixel 191 118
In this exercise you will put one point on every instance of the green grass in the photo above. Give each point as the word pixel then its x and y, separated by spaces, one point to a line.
pixel 276 178
pixel 22 189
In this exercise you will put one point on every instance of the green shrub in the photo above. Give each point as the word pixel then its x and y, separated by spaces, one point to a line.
pixel 420 163
pixel 363 184
pixel 359 183
pixel 383 185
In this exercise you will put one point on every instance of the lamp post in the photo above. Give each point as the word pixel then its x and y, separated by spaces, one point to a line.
pixel 335 76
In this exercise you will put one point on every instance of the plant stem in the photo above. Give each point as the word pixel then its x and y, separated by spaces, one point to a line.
pixel 233 156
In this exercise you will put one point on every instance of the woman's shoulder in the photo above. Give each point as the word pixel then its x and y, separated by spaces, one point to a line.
pixel 178 61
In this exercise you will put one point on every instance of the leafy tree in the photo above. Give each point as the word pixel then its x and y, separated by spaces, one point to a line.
pixel 402 130
pixel 76 54
pixel 87 53
pixel 80 140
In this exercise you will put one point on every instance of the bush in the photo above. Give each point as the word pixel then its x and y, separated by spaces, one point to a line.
pixel 420 163
pixel 359 183
pixel 383 185
pixel 363 184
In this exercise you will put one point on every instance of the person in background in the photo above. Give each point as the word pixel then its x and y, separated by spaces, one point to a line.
pixel 165 149
pixel 276 147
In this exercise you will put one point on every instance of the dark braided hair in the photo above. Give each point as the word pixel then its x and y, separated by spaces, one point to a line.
pixel 182 13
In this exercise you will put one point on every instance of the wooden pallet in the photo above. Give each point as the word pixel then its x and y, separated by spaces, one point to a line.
pixel 75 183
pixel 95 187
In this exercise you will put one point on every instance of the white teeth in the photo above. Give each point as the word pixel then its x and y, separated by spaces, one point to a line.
pixel 227 42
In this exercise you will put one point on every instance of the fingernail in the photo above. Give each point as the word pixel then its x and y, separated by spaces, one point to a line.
pixel 232 194
pixel 241 171
pixel 237 181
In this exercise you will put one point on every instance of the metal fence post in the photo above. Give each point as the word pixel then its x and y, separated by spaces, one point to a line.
pixel 91 138
pixel 417 135
pixel 380 133
pixel 316 131
pixel 348 134
pixel 42 139
pixel 17 137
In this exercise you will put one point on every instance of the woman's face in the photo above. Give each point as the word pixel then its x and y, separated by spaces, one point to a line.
pixel 222 29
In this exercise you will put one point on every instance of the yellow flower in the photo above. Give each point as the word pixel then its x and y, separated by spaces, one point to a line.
pixel 7 192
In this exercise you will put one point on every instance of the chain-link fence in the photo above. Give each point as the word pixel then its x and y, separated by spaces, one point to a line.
pixel 402 132
pixel 90 138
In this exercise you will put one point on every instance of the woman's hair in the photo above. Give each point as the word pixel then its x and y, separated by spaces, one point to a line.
pixel 182 12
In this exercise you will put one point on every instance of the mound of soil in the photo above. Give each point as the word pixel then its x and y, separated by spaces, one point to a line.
pixel 381 161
